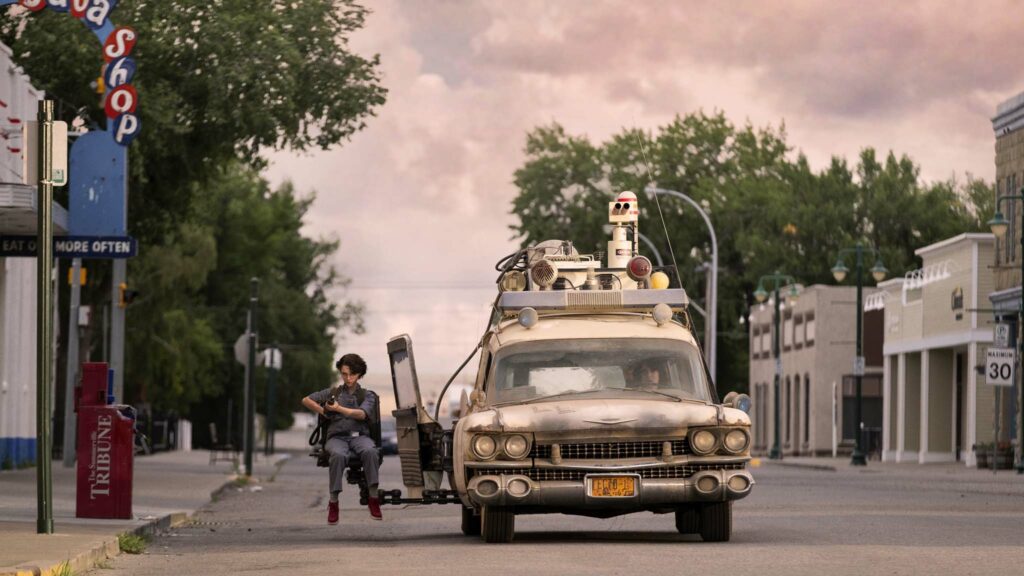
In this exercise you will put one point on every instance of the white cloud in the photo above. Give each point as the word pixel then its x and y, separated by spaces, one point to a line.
pixel 421 197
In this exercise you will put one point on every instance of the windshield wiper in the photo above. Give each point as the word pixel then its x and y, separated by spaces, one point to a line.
pixel 675 398
pixel 539 398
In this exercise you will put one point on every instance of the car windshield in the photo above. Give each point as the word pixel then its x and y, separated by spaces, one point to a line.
pixel 654 367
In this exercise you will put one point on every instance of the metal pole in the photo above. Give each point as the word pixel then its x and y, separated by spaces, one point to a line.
pixel 117 313
pixel 44 320
pixel 71 371
pixel 995 427
pixel 271 372
pixel 250 385
pixel 709 330
pixel 776 453
pixel 858 458
pixel 712 306
pixel 654 249
pixel 1020 368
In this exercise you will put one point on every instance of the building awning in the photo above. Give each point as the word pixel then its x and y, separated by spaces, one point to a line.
pixel 19 214
pixel 1006 301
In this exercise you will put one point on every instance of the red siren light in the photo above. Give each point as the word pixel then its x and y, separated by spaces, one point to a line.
pixel 639 268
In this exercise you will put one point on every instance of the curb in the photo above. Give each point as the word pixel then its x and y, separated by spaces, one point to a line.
pixel 108 548
pixel 821 467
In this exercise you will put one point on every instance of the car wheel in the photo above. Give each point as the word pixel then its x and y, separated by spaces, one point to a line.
pixel 688 520
pixel 470 522
pixel 498 524
pixel 716 522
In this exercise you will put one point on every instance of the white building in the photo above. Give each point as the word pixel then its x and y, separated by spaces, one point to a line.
pixel 816 396
pixel 18 103
pixel 937 405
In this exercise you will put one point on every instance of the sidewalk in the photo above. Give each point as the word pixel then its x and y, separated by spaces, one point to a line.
pixel 168 487
pixel 945 469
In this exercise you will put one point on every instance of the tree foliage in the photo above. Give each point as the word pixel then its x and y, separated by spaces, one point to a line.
pixel 216 81
pixel 219 83
pixel 180 351
pixel 770 210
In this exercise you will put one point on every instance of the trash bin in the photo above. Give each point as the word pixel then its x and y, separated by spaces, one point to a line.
pixel 105 449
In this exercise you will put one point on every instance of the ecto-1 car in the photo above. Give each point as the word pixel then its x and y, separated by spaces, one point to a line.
pixel 591 398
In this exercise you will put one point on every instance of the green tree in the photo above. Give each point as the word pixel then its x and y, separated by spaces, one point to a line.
pixel 180 351
pixel 219 83
pixel 769 208
pixel 216 81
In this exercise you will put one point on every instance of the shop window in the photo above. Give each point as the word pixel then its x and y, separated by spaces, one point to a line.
pixel 787 333
pixel 1011 215
pixel 789 414
pixel 807 407
pixel 871 406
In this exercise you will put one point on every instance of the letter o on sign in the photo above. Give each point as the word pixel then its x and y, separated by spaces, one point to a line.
pixel 33 5
pixel 121 100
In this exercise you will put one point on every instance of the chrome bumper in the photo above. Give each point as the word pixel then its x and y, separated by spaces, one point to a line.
pixel 520 490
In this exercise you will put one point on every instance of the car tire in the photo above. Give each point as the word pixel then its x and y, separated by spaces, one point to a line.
pixel 688 520
pixel 716 522
pixel 470 522
pixel 498 524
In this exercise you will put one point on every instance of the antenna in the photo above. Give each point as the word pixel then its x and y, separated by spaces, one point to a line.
pixel 661 215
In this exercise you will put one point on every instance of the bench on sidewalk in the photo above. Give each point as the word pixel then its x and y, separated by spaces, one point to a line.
pixel 225 452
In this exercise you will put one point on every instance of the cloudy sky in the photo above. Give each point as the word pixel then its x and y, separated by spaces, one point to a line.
pixel 420 199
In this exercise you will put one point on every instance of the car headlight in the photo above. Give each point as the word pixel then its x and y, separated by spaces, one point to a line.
pixel 736 441
pixel 516 446
pixel 703 442
pixel 484 447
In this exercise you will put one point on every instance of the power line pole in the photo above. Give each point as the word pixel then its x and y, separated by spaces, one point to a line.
pixel 250 384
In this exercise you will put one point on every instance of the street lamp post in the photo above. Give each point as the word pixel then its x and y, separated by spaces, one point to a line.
pixel 712 303
pixel 878 271
pixel 777 280
pixel 999 224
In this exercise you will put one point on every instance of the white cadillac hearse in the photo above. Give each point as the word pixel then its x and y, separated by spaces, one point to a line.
pixel 591 398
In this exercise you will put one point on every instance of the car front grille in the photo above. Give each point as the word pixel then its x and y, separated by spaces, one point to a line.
pixel 612 450
pixel 549 474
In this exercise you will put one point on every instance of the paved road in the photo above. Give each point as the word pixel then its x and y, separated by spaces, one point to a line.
pixel 900 520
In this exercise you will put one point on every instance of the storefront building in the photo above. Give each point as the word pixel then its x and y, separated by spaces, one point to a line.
pixel 18 217
pixel 938 327
pixel 817 395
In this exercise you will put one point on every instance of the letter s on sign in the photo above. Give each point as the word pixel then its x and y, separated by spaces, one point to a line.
pixel 33 5
pixel 119 43
pixel 121 100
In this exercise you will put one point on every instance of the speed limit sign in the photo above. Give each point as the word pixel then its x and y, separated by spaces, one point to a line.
pixel 999 367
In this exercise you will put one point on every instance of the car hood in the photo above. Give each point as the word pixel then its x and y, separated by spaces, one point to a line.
pixel 600 416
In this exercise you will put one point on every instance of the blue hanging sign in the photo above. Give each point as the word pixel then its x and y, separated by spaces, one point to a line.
pixel 117 44
pixel 97 192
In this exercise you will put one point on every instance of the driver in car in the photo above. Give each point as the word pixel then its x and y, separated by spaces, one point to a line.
pixel 644 375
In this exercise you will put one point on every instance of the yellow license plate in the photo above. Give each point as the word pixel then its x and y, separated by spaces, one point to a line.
pixel 612 486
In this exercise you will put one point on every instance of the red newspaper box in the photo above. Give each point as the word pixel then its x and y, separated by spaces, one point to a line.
pixel 105 450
